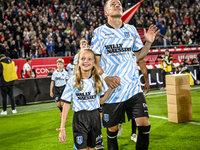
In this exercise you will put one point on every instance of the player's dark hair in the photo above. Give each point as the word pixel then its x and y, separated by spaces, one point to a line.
pixel 28 58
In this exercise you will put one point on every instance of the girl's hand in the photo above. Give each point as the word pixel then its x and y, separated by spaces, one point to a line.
pixel 62 136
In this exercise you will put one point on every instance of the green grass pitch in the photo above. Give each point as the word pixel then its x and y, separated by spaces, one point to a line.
pixel 33 127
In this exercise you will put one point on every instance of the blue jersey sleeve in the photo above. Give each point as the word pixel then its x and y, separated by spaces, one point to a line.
pixel 76 59
pixel 66 76
pixel 104 86
pixel 95 43
pixel 67 93
pixel 138 42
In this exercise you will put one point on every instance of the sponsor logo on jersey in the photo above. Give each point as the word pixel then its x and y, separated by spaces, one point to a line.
pixel 85 96
pixel 116 48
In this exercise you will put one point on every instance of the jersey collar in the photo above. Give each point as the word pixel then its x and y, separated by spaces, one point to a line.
pixel 113 27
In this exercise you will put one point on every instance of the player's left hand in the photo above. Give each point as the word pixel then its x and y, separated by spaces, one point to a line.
pixel 151 34
pixel 146 87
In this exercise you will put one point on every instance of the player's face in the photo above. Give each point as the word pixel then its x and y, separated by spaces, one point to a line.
pixel 60 65
pixel 86 61
pixel 83 45
pixel 114 9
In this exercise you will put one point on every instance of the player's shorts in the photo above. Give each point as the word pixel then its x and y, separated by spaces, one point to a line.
pixel 58 92
pixel 114 113
pixel 87 129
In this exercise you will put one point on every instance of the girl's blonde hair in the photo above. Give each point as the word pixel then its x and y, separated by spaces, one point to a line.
pixel 96 78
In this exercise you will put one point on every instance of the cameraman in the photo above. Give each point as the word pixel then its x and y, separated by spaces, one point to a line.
pixel 166 66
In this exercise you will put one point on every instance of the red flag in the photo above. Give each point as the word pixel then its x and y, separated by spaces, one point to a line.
pixel 127 15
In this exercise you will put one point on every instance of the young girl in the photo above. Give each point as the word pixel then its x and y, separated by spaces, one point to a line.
pixel 87 90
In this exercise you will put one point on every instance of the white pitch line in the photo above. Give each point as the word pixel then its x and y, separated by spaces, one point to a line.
pixel 160 117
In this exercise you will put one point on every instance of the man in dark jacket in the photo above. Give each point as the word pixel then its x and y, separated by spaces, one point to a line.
pixel 19 44
pixel 7 77
pixel 60 47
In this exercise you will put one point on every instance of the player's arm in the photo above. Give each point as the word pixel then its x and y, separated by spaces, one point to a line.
pixel 113 82
pixel 51 88
pixel 149 37
pixel 29 74
pixel 105 96
pixel 145 74
pixel 62 135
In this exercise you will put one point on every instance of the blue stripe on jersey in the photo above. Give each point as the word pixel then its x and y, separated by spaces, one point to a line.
pixel 60 78
pixel 85 99
pixel 117 47
pixel 76 59
pixel 70 69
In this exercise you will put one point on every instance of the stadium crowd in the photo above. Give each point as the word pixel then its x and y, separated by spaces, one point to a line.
pixel 54 28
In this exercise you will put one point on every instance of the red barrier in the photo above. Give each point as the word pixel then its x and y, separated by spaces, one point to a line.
pixel 41 65
pixel 179 57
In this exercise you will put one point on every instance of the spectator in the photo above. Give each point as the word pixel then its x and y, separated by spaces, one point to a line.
pixel 7 82
pixel 27 47
pixel 5 49
pixel 156 42
pixel 32 34
pixel 13 50
pixel 19 45
pixel 19 32
pixel 41 38
pixel 34 50
pixel 186 63
pixel 194 61
pixel 64 17
pixel 26 33
pixel 174 40
pixel 41 49
pixel 50 48
pixel 163 30
pixel 78 28
pixel 56 35
pixel 165 41
pixel 67 48
pixel 73 48
pixel 50 72
pixel 60 47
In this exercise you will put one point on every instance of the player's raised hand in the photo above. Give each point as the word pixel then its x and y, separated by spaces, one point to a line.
pixel 151 33
pixel 113 82
pixel 62 136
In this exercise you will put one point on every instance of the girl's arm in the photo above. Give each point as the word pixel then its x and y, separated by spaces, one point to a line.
pixel 106 94
pixel 62 135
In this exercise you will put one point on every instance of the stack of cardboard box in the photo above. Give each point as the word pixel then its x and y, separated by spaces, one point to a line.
pixel 178 98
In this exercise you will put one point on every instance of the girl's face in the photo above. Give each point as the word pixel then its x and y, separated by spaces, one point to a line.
pixel 60 65
pixel 86 61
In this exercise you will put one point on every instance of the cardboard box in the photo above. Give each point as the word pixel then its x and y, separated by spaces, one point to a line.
pixel 183 108
pixel 177 79
pixel 180 117
pixel 179 89
pixel 179 99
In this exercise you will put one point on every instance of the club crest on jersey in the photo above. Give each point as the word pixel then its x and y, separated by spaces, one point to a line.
pixel 106 117
pixel 126 34
pixel 79 139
